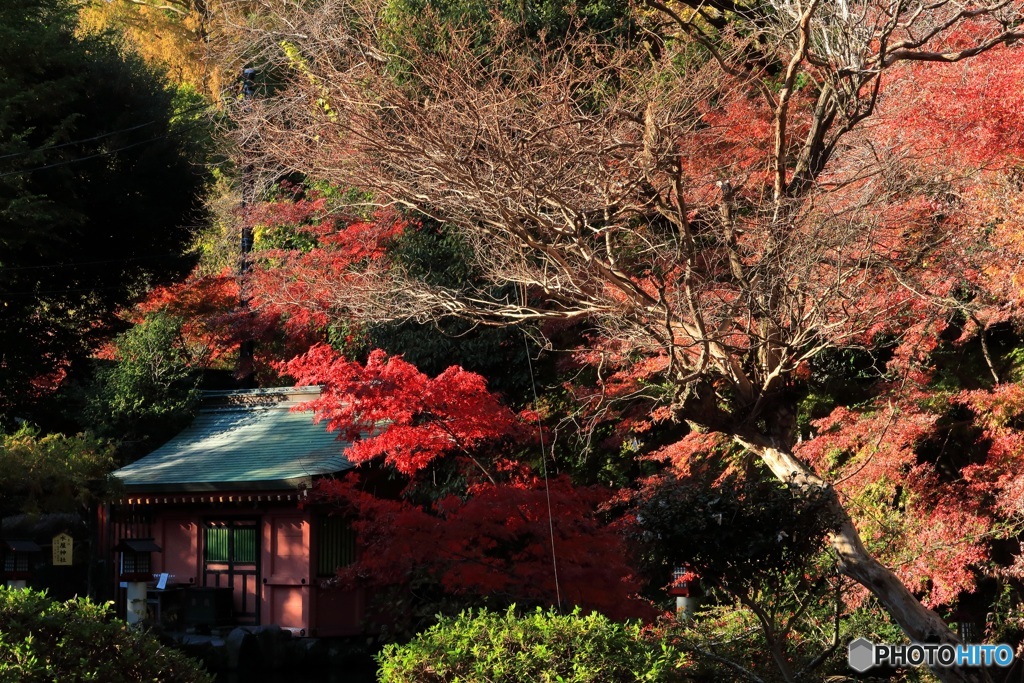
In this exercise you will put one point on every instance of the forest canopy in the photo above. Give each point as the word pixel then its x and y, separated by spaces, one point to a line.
pixel 700 203
pixel 609 298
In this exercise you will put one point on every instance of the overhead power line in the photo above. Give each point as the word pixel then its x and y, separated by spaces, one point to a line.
pixel 76 142
pixel 108 152
pixel 77 264
pixel 80 141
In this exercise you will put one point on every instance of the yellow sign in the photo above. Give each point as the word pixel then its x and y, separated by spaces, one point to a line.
pixel 63 547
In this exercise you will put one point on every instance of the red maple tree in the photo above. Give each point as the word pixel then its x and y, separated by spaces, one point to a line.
pixel 717 209
pixel 496 529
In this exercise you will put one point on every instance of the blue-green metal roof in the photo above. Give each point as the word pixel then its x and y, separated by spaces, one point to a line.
pixel 242 440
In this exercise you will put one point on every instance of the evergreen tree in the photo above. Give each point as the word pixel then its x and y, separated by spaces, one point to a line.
pixel 97 188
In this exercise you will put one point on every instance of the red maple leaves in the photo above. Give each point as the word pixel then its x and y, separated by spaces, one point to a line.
pixel 497 542
pixel 497 533
pixel 306 273
pixel 390 409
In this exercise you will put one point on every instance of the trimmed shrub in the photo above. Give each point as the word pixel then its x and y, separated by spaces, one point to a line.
pixel 540 646
pixel 77 641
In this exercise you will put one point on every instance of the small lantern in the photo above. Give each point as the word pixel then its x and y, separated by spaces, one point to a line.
pixel 136 572
pixel 685 587
pixel 685 583
pixel 137 558
pixel 17 561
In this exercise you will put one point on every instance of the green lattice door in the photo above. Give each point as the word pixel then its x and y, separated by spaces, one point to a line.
pixel 231 553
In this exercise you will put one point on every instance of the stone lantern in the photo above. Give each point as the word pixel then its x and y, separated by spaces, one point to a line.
pixel 685 587
pixel 136 572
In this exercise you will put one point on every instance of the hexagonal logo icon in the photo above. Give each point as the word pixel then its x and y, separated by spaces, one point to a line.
pixel 861 655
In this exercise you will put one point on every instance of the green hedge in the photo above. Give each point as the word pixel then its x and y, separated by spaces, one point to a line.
pixel 78 640
pixel 542 647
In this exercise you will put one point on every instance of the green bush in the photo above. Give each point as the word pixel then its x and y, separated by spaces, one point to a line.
pixel 541 646
pixel 77 641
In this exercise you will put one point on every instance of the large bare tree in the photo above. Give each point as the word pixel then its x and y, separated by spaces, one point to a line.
pixel 701 186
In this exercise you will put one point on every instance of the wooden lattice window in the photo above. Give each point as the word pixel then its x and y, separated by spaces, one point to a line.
pixel 337 545
pixel 225 542
pixel 15 562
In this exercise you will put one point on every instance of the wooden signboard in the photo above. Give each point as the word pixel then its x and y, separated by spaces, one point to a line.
pixel 63 548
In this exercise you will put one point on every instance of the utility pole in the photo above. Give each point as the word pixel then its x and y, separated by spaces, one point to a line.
pixel 247 347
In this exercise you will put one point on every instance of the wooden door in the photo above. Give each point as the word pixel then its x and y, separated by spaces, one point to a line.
pixel 231 553
pixel 286 563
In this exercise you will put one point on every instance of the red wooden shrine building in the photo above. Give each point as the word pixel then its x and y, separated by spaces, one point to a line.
pixel 217 509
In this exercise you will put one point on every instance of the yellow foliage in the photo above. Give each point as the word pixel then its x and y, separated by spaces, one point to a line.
pixel 172 39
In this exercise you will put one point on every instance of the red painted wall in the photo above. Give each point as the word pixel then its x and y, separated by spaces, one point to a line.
pixel 288 592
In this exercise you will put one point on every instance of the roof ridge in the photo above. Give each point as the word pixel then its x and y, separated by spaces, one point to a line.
pixel 263 391
pixel 251 400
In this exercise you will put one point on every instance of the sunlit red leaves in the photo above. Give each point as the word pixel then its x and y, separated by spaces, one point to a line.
pixel 492 539
pixel 45 385
pixel 941 548
pixel 959 128
pixel 689 457
pixel 309 285
pixel 962 116
pixel 1001 477
pixel 308 213
pixel 999 409
pixel 352 239
pixel 367 239
pixel 932 532
pixel 215 320
pixel 999 212
pixel 209 307
pixel 393 411
pixel 734 140
pixel 198 296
